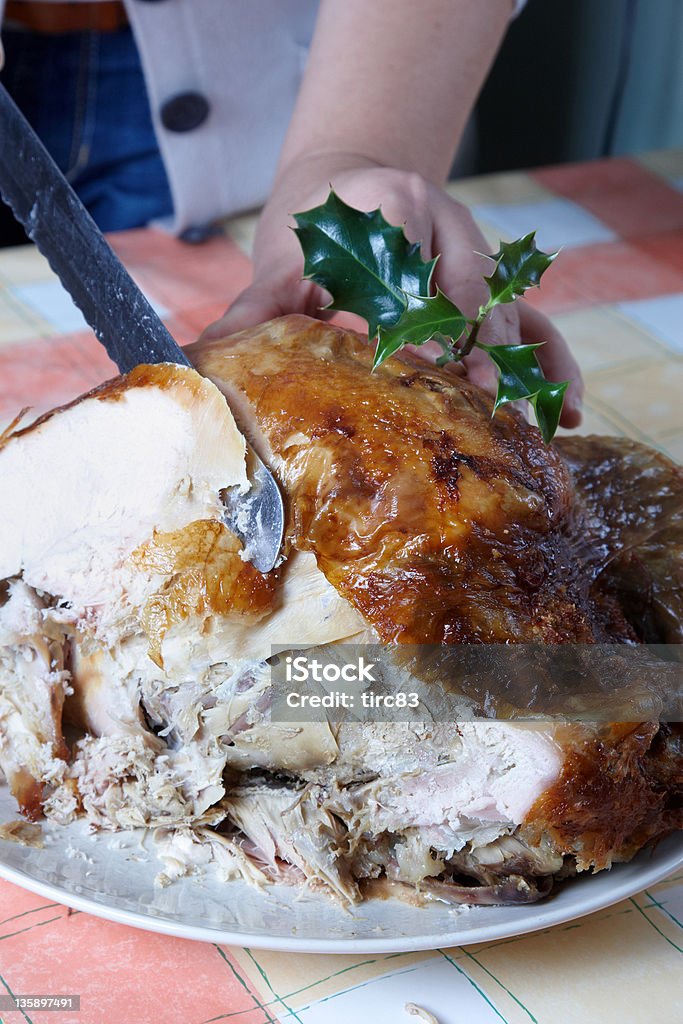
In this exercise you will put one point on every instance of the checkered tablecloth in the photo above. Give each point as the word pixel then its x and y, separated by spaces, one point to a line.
pixel 616 292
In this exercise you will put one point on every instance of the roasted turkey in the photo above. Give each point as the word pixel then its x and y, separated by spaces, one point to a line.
pixel 135 638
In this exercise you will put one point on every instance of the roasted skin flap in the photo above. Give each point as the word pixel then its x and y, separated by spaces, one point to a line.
pixel 135 638
pixel 628 510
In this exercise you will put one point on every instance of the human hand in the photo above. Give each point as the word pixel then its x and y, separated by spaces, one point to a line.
pixel 429 216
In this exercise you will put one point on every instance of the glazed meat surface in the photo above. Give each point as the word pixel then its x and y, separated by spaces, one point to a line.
pixel 437 521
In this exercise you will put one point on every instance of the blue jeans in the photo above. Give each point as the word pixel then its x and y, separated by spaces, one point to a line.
pixel 85 95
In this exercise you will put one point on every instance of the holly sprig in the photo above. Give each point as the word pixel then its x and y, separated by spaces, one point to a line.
pixel 370 268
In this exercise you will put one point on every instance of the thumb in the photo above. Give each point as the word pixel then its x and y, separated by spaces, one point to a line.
pixel 267 297
pixel 252 306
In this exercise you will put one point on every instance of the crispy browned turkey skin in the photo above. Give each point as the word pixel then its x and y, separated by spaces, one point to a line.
pixel 415 517
pixel 439 522
pixel 407 490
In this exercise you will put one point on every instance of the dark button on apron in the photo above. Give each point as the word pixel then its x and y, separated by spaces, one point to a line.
pixel 184 112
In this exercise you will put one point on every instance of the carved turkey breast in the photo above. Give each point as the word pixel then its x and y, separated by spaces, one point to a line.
pixel 135 639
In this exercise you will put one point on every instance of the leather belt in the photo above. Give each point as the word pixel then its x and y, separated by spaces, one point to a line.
pixel 54 18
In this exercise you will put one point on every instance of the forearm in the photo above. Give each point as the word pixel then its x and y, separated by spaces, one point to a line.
pixel 392 82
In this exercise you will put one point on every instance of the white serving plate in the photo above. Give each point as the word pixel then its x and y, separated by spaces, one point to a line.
pixel 112 876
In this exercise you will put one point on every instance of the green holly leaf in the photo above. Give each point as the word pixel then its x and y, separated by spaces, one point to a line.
pixel 424 317
pixel 519 266
pixel 366 264
pixel 522 377
pixel 370 268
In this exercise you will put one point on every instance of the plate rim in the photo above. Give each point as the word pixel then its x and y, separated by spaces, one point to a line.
pixel 545 918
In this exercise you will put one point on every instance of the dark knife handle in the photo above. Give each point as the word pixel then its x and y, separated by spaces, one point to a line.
pixel 63 230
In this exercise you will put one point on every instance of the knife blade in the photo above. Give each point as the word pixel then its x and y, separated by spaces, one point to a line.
pixel 121 317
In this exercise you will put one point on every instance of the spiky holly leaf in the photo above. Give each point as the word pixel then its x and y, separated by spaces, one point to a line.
pixel 371 269
pixel 519 266
pixel 424 317
pixel 522 377
pixel 366 264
